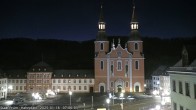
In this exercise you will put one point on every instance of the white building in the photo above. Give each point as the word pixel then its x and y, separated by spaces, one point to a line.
pixel 73 80
pixel 41 77
pixel 183 83
pixel 3 88
pixel 183 86
pixel 161 81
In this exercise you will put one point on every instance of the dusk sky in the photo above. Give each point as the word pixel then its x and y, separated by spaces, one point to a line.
pixel 77 19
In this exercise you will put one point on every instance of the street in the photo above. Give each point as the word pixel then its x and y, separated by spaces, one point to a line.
pixel 87 102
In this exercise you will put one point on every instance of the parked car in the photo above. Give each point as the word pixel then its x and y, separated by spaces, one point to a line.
pixel 18 100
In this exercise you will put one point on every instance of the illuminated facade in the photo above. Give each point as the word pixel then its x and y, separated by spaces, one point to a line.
pixel 183 83
pixel 119 68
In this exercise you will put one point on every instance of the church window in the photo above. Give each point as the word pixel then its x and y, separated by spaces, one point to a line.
pixel 112 69
pixel 119 54
pixel 102 65
pixel 137 65
pixel 112 84
pixel 126 69
pixel 101 46
pixel 136 46
pixel 127 84
pixel 119 65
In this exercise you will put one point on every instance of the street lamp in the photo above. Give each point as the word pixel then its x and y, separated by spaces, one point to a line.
pixel 122 95
pixel 113 97
pixel 70 93
pixel 108 102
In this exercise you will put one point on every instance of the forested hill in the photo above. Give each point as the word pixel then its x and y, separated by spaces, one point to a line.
pixel 22 53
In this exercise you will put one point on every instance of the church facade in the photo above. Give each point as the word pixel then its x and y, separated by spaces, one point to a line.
pixel 118 69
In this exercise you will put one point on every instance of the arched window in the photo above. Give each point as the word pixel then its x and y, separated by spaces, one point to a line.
pixel 119 65
pixel 102 65
pixel 137 65
pixel 136 46
pixel 101 46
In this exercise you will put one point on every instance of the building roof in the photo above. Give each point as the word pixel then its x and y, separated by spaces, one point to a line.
pixel 73 74
pixel 135 36
pixel 193 64
pixel 16 74
pixel 41 67
pixel 161 71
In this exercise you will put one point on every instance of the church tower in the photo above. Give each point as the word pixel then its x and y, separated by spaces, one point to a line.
pixel 119 69
pixel 101 50
pixel 135 46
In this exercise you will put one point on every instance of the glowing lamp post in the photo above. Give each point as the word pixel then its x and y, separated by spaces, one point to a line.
pixel 122 95
pixel 108 102
pixel 10 88
pixel 70 93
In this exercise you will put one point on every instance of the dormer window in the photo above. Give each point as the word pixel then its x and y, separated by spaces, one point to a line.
pixel 85 75
pixel 69 75
pixel 77 75
pixel 44 69
pixel 17 75
pixel 39 69
pixel 62 75
pixel 33 69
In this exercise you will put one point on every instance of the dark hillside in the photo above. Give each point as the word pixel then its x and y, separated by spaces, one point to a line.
pixel 22 53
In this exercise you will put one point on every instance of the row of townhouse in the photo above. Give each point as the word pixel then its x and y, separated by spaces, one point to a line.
pixel 41 77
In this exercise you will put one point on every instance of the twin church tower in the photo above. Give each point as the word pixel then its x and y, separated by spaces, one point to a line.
pixel 119 69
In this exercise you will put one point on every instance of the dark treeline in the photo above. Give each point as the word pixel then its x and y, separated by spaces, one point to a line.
pixel 22 53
